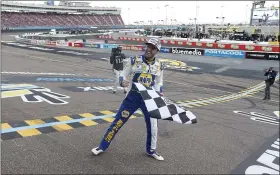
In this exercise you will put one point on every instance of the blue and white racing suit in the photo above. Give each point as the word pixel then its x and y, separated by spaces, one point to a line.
pixel 149 75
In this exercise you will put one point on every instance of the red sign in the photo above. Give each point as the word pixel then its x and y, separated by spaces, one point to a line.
pixel 78 44
pixel 132 47
pixel 51 43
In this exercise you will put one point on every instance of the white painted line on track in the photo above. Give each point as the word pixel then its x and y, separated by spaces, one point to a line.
pixel 38 73
pixel 222 69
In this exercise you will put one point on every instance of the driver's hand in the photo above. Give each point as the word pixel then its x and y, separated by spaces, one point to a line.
pixel 125 83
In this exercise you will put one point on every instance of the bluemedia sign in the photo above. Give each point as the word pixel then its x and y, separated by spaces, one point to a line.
pixel 224 53
pixel 165 50
pixel 92 45
pixel 109 46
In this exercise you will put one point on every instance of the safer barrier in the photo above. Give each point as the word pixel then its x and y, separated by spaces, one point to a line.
pixel 263 47
pixel 173 50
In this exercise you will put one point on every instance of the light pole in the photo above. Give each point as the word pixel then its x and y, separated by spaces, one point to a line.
pixel 157 15
pixel 161 21
pixel 128 16
pixel 136 23
pixel 196 10
pixel 166 13
pixel 246 14
pixel 173 24
pixel 193 19
pixel 151 21
pixel 171 15
pixel 141 23
pixel 222 19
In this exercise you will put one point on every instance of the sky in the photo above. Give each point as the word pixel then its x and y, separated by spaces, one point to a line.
pixel 183 11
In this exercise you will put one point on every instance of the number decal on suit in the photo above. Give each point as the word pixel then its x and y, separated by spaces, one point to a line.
pixel 119 60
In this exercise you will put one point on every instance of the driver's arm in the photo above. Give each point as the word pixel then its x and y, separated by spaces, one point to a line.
pixel 127 70
pixel 159 81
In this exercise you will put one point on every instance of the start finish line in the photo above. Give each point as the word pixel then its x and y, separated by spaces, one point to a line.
pixel 61 79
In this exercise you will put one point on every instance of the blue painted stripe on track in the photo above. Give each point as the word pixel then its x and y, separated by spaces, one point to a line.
pixel 56 123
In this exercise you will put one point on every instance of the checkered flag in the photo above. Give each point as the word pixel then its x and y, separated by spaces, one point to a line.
pixel 160 107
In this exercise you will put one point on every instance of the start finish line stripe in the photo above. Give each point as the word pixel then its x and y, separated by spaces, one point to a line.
pixel 56 123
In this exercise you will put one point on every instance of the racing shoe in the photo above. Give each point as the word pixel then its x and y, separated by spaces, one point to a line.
pixel 156 156
pixel 97 151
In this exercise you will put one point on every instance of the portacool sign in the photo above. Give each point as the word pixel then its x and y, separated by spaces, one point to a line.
pixel 185 51
pixel 225 53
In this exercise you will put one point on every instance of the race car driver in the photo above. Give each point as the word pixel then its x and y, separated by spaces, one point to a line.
pixel 147 70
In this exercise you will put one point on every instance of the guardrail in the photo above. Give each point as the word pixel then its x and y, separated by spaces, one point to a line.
pixel 239 54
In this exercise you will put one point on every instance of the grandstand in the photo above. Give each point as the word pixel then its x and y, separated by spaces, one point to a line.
pixel 66 14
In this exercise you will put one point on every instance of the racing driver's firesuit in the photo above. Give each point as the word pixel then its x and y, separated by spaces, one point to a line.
pixel 148 70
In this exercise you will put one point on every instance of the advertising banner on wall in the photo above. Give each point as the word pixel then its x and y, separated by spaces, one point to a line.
pixel 78 44
pixel 109 46
pixel 132 47
pixel 51 43
pixel 61 43
pixel 165 50
pixel 41 42
pixel 262 55
pixel 187 51
pixel 224 53
pixel 89 45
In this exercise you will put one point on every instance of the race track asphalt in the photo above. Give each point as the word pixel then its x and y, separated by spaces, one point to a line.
pixel 52 136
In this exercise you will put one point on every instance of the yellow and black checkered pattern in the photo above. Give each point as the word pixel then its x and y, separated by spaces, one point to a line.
pixel 58 127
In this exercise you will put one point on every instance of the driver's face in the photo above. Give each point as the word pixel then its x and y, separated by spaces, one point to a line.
pixel 151 51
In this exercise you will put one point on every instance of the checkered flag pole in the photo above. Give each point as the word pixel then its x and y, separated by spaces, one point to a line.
pixel 160 107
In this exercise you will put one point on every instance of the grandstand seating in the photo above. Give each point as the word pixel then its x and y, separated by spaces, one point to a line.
pixel 15 19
